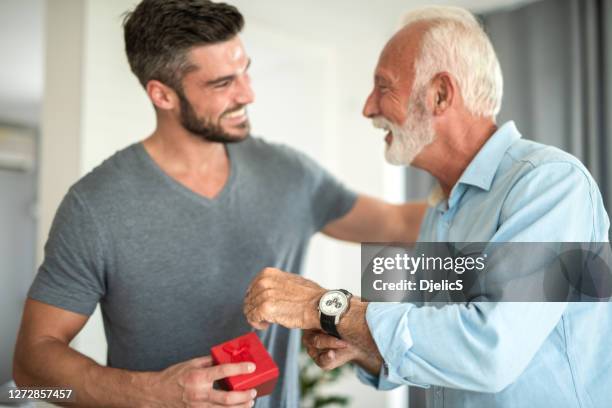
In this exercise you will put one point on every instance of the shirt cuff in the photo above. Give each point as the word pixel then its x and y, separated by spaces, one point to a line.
pixel 379 382
pixel 388 324
pixel 366 378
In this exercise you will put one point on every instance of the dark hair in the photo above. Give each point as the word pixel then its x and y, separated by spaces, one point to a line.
pixel 159 34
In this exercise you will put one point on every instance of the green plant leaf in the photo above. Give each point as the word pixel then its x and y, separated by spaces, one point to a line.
pixel 331 400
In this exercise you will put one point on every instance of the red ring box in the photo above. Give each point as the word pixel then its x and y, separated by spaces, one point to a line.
pixel 247 348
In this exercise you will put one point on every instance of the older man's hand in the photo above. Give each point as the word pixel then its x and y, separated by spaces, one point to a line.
pixel 329 352
pixel 283 298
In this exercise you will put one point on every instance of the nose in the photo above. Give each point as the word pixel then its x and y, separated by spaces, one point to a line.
pixel 245 94
pixel 370 109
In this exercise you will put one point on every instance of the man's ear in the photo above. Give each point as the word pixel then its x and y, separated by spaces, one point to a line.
pixel 162 96
pixel 443 88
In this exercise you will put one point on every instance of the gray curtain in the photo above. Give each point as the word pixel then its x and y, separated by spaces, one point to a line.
pixel 556 57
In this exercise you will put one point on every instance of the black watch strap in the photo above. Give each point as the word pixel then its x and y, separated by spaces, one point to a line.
pixel 328 323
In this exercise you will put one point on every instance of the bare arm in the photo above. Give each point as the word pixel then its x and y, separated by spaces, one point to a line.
pixel 43 358
pixel 373 220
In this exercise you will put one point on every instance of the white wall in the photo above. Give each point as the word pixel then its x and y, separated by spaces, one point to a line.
pixel 61 113
pixel 116 110
pixel 21 69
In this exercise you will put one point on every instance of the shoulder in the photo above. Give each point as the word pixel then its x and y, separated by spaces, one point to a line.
pixel 526 160
pixel 109 178
pixel 276 156
pixel 550 183
pixel 262 147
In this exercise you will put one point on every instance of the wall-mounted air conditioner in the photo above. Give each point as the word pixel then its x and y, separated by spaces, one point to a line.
pixel 17 149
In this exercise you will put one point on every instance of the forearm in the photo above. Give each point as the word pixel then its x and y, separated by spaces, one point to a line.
pixel 409 221
pixel 395 222
pixel 52 363
pixel 354 329
pixel 373 220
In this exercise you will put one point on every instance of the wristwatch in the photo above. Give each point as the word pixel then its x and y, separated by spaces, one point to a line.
pixel 332 306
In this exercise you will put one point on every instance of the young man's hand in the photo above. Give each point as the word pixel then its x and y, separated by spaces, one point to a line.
pixel 190 384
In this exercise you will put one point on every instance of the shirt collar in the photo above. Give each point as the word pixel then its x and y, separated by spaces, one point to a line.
pixel 483 167
pixel 481 170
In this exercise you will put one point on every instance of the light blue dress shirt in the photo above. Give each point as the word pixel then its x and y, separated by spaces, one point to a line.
pixel 505 354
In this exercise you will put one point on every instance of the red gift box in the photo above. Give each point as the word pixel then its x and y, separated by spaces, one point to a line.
pixel 247 348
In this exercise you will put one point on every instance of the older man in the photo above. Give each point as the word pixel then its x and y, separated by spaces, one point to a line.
pixel 437 90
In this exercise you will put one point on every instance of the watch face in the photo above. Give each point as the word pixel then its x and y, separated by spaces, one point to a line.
pixel 333 303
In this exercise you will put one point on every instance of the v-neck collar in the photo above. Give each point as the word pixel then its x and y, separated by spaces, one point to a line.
pixel 177 186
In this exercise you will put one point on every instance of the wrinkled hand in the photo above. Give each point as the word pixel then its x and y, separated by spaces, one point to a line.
pixel 329 352
pixel 283 298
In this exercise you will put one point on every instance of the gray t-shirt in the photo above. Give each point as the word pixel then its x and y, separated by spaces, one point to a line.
pixel 170 267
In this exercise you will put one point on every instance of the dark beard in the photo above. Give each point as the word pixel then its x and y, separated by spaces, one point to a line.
pixel 202 128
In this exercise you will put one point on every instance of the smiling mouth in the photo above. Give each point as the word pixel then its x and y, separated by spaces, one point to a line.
pixel 380 123
pixel 389 138
pixel 237 114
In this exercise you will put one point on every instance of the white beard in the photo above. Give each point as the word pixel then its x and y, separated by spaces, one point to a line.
pixel 410 138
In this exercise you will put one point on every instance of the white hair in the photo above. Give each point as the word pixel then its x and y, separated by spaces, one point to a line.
pixel 456 43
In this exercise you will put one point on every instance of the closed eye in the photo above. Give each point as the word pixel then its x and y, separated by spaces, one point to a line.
pixel 222 84
pixel 227 80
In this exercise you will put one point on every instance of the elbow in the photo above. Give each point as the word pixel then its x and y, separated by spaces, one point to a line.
pixel 498 384
pixel 19 376
pixel 497 374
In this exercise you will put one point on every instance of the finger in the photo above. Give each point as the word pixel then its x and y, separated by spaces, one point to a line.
pixel 266 278
pixel 272 272
pixel 255 319
pixel 259 325
pixel 201 362
pixel 254 284
pixel 249 292
pixel 260 308
pixel 211 405
pixel 307 336
pixel 313 353
pixel 244 405
pixel 229 370
pixel 231 398
pixel 327 361
pixel 323 341
pixel 257 299
pixel 330 359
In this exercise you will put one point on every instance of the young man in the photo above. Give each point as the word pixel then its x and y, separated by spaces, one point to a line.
pixel 167 233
